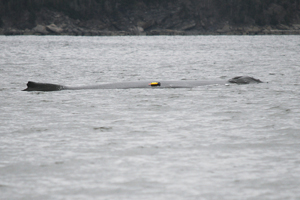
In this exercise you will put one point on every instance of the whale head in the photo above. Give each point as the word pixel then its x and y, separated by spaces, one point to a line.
pixel 244 80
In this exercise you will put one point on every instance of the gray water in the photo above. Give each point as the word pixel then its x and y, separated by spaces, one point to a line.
pixel 209 142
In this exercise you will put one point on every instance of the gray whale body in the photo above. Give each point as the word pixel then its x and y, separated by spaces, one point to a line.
pixel 34 86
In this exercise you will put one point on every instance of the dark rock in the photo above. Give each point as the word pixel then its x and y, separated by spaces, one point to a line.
pixel 40 29
pixel 254 30
pixel 28 32
pixel 12 31
pixel 165 32
pixel 147 25
pixel 296 26
pixel 136 30
pixel 282 27
pixel 226 28
pixel 54 29
pixel 188 25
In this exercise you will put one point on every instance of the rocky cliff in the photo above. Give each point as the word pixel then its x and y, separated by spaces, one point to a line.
pixel 145 17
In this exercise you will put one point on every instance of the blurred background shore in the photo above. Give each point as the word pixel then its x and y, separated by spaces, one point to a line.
pixel 149 17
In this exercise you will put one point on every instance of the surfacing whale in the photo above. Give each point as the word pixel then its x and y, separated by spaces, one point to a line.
pixel 34 86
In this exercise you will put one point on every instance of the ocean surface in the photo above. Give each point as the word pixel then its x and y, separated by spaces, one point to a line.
pixel 210 142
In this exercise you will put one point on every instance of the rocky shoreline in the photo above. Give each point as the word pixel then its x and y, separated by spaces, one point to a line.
pixel 142 22
pixel 53 29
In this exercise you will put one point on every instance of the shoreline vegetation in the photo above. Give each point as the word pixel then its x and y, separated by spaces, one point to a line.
pixel 149 17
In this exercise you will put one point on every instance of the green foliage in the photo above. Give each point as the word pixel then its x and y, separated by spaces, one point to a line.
pixel 273 19
pixel 260 20
pixel 32 17
pixel 258 10
pixel 1 22
pixel 235 11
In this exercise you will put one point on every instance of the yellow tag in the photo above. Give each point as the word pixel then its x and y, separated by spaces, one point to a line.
pixel 155 84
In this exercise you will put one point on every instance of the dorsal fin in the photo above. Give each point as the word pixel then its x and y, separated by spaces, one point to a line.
pixel 244 80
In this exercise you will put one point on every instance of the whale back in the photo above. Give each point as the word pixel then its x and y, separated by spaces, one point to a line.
pixel 34 86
